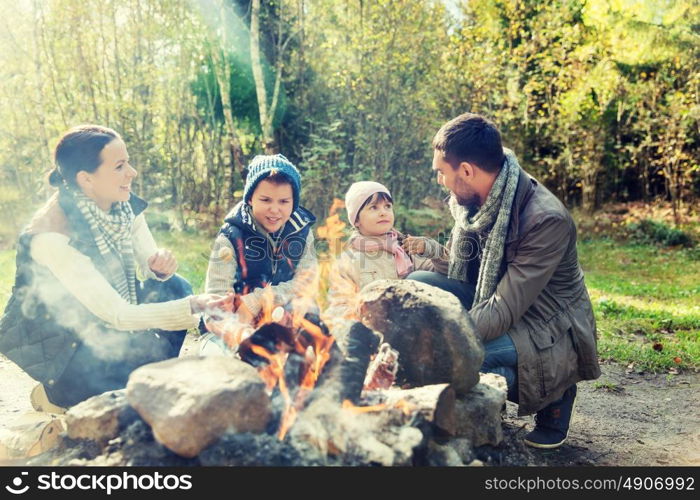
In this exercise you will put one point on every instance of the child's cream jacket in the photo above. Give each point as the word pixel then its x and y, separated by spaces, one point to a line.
pixel 354 270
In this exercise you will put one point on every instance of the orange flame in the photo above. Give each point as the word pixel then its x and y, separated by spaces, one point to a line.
pixel 321 349
pixel 406 407
pixel 318 352
pixel 268 304
pixel 345 290
pixel 356 410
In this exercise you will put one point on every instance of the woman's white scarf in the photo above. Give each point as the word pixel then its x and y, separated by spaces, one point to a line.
pixel 113 236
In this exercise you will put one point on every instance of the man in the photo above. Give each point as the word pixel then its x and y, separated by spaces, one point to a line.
pixel 514 266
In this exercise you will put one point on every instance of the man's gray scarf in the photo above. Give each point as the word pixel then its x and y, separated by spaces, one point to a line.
pixel 490 222
pixel 113 236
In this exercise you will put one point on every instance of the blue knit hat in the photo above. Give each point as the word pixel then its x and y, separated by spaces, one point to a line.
pixel 263 166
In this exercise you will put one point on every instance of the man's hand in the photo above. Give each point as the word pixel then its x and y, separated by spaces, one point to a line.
pixel 414 245
pixel 162 263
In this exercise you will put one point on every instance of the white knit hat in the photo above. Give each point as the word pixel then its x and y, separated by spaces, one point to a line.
pixel 358 193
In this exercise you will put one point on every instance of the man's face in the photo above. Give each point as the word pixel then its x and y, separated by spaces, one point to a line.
pixel 455 180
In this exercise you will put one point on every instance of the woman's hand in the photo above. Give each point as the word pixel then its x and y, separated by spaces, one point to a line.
pixel 162 263
pixel 219 320
pixel 414 245
pixel 210 303
pixel 216 307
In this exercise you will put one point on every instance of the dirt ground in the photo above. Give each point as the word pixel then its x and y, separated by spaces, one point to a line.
pixel 637 419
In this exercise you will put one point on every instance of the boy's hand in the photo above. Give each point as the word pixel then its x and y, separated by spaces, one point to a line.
pixel 244 314
pixel 230 331
pixel 414 245
pixel 162 263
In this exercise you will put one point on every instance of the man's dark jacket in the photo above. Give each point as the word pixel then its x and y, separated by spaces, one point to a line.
pixel 541 300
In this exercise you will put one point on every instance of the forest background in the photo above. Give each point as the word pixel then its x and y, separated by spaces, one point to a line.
pixel 600 100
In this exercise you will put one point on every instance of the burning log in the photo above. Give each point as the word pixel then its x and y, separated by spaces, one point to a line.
pixel 382 370
pixel 290 352
pixel 271 337
pixel 431 403
pixel 362 343
pixel 385 432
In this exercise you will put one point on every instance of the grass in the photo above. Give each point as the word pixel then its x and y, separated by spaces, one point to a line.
pixel 607 386
pixel 647 304
pixel 646 299
pixel 192 253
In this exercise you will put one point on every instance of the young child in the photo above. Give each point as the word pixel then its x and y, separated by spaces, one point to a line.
pixel 265 242
pixel 375 249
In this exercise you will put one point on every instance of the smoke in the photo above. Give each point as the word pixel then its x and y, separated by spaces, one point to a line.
pixel 65 310
pixel 386 437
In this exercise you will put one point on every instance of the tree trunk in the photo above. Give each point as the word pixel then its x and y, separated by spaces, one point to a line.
pixel 39 86
pixel 266 115
pixel 588 191
pixel 223 79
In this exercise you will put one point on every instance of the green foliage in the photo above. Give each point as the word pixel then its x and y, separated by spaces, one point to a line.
pixel 607 386
pixel 324 168
pixel 658 233
pixel 423 222
pixel 600 100
pixel 374 109
pixel 192 252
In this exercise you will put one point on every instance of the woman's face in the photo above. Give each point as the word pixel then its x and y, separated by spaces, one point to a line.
pixel 111 182
pixel 376 218
pixel 272 204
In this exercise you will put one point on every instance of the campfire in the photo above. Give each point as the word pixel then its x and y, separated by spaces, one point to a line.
pixel 291 346
pixel 389 383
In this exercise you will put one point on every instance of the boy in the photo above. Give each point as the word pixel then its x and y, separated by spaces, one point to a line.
pixel 265 241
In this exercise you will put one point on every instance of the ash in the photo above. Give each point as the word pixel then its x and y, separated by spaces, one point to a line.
pixel 246 450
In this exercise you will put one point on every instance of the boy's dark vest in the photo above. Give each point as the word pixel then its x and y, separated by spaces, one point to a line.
pixel 29 334
pixel 259 263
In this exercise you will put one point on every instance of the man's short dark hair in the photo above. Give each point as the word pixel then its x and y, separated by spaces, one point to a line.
pixel 471 138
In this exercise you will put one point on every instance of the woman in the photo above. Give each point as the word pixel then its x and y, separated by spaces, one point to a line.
pixel 79 320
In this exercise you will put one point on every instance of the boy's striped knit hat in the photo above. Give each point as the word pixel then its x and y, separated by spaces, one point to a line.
pixel 263 166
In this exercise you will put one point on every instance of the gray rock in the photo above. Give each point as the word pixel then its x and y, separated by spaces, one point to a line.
pixel 431 330
pixel 443 455
pixel 478 413
pixel 463 447
pixel 191 402
pixel 100 418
